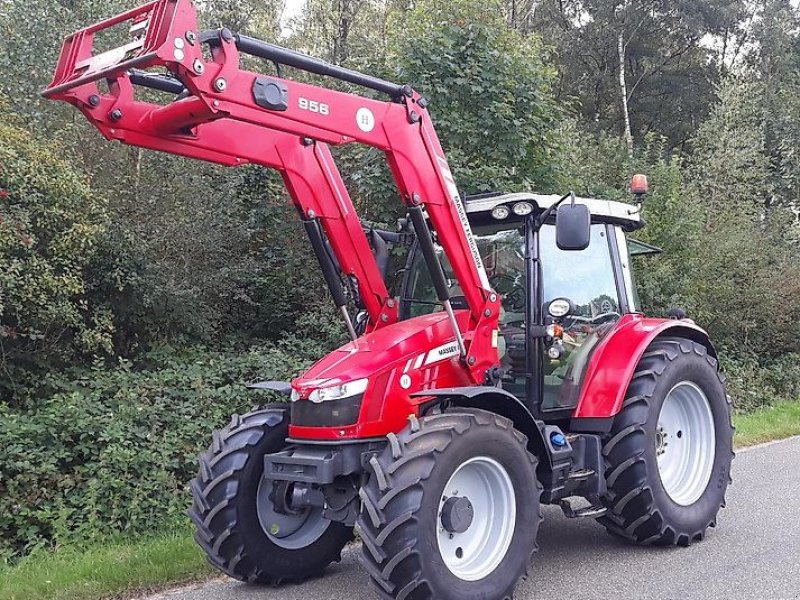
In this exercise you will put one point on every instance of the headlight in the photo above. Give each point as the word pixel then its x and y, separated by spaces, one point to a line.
pixel 500 212
pixel 523 208
pixel 337 392
pixel 295 395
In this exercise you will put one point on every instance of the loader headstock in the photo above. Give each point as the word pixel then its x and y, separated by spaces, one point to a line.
pixel 162 32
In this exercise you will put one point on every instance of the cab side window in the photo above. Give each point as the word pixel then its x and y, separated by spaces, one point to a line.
pixel 587 279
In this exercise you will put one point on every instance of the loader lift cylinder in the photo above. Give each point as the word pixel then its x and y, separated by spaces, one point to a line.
pixel 435 269
pixel 329 271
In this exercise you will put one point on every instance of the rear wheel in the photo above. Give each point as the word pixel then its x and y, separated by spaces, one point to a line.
pixel 237 526
pixel 451 509
pixel 669 453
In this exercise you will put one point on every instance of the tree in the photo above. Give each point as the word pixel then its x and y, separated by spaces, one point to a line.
pixel 623 61
pixel 490 92
pixel 65 282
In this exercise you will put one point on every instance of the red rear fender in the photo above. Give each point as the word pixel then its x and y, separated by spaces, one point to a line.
pixel 612 365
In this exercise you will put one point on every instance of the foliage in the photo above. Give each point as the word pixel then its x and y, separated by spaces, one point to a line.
pixel 111 450
pixel 484 82
pixel 65 276
pixel 666 48
pixel 775 422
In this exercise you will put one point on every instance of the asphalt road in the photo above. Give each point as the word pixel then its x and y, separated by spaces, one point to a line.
pixel 754 552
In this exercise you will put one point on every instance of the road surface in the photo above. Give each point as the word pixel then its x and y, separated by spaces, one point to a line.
pixel 754 552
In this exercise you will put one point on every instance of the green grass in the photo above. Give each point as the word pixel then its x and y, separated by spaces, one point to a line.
pixel 105 571
pixel 774 423
pixel 123 569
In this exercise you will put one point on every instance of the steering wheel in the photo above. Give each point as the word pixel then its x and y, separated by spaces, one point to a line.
pixel 513 294
pixel 596 320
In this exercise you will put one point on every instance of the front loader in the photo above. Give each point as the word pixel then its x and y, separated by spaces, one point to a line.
pixel 512 370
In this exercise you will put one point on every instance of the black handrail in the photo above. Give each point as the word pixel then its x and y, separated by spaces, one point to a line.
pixel 298 60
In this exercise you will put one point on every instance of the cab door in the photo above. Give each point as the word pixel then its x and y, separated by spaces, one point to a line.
pixel 593 280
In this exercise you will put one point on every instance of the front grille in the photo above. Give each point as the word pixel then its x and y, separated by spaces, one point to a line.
pixel 333 413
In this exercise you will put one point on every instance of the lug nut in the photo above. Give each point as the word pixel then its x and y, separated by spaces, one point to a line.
pixel 198 66
pixel 220 85
pixel 190 37
pixel 94 100
pixel 116 114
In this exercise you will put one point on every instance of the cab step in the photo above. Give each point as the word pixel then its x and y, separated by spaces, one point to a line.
pixel 580 475
pixel 590 511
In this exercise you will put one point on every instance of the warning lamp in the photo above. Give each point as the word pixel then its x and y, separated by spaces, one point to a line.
pixel 639 185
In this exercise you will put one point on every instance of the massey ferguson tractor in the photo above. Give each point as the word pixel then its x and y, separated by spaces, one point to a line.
pixel 512 370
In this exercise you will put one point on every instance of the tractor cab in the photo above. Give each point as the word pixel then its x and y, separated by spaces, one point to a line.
pixel 575 296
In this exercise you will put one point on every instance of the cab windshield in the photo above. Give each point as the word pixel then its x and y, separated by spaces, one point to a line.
pixel 585 277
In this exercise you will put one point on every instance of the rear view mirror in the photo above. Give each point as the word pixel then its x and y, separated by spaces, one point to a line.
pixel 573 227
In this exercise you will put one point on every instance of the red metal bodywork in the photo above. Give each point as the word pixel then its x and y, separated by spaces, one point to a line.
pixel 408 348
pixel 614 360
pixel 222 123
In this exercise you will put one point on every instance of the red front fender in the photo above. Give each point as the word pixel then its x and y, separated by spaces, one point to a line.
pixel 612 365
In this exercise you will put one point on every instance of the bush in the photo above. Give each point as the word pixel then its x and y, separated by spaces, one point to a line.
pixel 111 451
pixel 64 274
pixel 754 382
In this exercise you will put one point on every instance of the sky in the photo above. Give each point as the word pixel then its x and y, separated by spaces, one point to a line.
pixel 291 10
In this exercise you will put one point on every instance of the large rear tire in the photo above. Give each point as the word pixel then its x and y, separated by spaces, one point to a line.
pixel 451 509
pixel 236 527
pixel 668 455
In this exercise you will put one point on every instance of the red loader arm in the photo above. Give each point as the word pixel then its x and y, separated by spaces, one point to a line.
pixel 231 116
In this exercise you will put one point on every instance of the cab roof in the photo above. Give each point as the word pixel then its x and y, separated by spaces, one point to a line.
pixel 603 211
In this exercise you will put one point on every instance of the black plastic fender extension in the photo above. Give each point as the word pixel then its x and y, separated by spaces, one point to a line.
pixel 504 403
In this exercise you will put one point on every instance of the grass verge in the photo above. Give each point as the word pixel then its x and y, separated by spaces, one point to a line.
pixel 124 569
pixel 773 423
pixel 113 570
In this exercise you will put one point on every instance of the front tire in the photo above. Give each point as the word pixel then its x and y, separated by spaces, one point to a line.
pixel 668 455
pixel 236 527
pixel 451 509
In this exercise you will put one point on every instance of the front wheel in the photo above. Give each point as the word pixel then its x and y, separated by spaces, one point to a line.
pixel 668 455
pixel 451 509
pixel 237 526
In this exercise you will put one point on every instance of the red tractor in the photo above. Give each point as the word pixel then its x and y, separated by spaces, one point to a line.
pixel 513 370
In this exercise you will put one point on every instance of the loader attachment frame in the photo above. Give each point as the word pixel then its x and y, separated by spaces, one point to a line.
pixel 231 116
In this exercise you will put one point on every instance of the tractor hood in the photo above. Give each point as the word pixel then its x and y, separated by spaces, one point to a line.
pixel 384 368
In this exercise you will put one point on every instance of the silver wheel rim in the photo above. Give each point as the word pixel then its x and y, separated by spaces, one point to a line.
pixel 477 552
pixel 685 443
pixel 291 532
